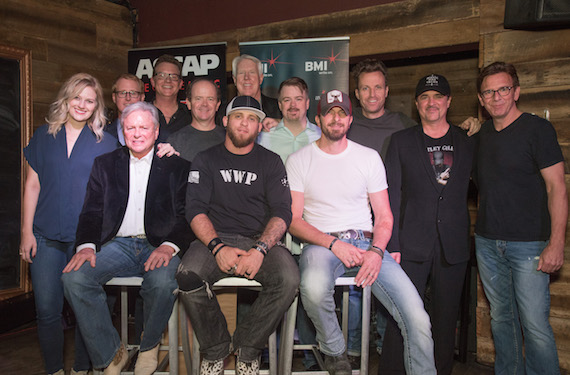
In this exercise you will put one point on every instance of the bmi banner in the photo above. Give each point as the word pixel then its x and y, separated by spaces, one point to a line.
pixel 322 63
pixel 198 60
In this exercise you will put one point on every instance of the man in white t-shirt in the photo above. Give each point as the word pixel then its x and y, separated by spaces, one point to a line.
pixel 334 182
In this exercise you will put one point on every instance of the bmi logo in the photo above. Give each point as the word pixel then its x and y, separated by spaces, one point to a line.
pixel 316 66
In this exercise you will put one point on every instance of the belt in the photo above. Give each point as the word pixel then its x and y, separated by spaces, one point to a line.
pixel 353 234
pixel 139 236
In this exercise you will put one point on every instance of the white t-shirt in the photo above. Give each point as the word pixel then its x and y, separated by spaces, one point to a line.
pixel 336 187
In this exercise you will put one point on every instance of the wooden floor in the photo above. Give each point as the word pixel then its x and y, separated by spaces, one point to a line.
pixel 20 355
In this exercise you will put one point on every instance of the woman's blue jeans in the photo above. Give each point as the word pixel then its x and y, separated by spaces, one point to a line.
pixel 50 259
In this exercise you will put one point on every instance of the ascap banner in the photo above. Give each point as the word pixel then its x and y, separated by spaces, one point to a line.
pixel 322 63
pixel 199 60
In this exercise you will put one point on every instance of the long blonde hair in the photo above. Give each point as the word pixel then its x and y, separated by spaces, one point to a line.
pixel 58 113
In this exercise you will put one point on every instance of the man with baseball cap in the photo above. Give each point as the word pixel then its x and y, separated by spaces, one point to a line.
pixel 334 183
pixel 239 207
pixel 428 168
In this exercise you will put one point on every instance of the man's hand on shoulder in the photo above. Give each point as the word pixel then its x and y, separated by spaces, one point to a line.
pixel 551 259
pixel 159 257
pixel 82 256
pixel 249 264
pixel 269 123
pixel 371 264
pixel 349 255
pixel 228 257
pixel 472 125
pixel 166 149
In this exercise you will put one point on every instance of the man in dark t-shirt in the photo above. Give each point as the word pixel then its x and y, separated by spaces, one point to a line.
pixel 428 168
pixel 239 207
pixel 521 224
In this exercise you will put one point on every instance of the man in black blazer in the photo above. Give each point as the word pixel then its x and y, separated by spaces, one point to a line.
pixel 428 168
pixel 132 224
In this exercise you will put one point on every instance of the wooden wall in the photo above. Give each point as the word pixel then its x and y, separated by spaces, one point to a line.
pixel 67 37
pixel 543 64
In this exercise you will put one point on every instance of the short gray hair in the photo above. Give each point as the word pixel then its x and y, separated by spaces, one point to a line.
pixel 143 107
pixel 239 59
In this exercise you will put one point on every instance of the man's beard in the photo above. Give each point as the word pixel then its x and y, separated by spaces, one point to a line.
pixel 240 142
pixel 333 136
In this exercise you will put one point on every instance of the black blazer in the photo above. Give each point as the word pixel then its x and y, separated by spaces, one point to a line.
pixel 270 107
pixel 421 209
pixel 107 196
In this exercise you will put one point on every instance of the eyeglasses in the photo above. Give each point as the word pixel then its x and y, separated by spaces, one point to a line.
pixel 503 91
pixel 172 76
pixel 124 93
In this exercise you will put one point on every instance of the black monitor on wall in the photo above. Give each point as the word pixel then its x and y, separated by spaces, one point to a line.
pixel 537 14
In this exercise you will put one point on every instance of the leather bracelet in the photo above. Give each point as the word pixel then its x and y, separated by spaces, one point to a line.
pixel 332 243
pixel 377 250
pixel 260 249
pixel 214 253
pixel 215 242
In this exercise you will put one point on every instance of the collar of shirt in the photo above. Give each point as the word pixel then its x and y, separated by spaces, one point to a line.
pixel 146 159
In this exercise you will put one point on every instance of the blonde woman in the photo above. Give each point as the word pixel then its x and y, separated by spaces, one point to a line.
pixel 60 156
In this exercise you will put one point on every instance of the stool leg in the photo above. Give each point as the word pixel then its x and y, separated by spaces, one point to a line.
pixel 365 330
pixel 195 355
pixel 287 339
pixel 345 296
pixel 185 339
pixel 272 344
pixel 173 339
pixel 124 316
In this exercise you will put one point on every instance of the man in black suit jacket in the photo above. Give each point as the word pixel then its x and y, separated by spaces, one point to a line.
pixel 132 224
pixel 428 168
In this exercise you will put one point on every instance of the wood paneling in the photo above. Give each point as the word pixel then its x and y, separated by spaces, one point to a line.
pixel 67 37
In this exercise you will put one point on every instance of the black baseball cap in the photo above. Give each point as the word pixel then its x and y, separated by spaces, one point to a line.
pixel 433 82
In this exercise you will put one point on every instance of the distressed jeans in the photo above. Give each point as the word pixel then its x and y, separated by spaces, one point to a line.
pixel 120 257
pixel 519 296
pixel 319 269
pixel 198 271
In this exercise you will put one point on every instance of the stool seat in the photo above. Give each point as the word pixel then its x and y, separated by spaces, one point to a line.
pixel 288 332
pixel 237 282
pixel 172 359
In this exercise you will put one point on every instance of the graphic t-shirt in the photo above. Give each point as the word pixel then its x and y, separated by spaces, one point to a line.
pixel 440 153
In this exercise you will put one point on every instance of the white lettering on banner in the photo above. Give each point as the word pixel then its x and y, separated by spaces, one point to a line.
pixel 230 175
pixel 190 64
pixel 315 66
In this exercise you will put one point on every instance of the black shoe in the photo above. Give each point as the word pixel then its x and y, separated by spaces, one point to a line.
pixel 354 362
pixel 338 365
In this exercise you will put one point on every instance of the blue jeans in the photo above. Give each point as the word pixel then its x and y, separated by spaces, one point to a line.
pixel 50 259
pixel 279 276
pixel 519 297
pixel 120 257
pixel 319 269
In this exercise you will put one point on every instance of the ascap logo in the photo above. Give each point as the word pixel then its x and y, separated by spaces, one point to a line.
pixel 238 177
pixel 334 96
pixel 199 65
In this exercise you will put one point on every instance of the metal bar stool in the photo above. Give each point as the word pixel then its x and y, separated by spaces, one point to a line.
pixel 237 282
pixel 287 338
pixel 172 359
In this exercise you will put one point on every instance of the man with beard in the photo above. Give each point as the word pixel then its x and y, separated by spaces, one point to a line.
pixel 334 184
pixel 239 206
pixel 203 99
